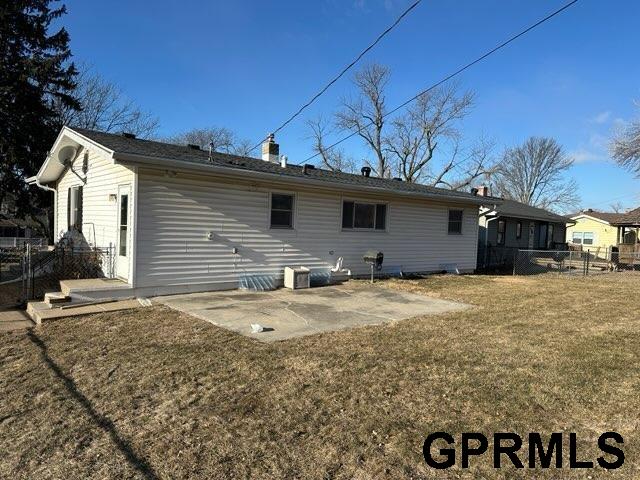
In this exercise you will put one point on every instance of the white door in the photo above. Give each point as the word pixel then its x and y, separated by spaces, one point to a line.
pixel 123 249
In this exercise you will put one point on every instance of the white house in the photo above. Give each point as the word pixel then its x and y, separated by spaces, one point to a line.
pixel 182 219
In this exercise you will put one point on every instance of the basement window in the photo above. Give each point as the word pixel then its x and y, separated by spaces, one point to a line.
pixel 281 210
pixel 364 216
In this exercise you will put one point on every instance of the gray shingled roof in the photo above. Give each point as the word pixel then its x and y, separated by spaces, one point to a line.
pixel 152 149
pixel 511 208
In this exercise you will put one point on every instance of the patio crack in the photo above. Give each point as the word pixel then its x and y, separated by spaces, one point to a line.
pixel 306 322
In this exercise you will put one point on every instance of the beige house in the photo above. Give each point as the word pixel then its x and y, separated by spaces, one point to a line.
pixel 600 231
pixel 181 219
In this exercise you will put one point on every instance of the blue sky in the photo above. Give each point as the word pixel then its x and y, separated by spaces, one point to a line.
pixel 247 65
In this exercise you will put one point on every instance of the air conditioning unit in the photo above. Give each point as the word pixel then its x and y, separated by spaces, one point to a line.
pixel 297 277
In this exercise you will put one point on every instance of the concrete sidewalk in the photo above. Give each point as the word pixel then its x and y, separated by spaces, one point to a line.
pixel 287 314
pixel 14 320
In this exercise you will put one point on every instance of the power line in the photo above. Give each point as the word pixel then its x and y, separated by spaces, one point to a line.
pixel 343 71
pixel 452 75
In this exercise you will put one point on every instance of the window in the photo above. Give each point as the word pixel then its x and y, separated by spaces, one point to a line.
pixel 519 230
pixel 74 208
pixel 124 224
pixel 281 210
pixel 584 238
pixel 550 236
pixel 501 228
pixel 455 222
pixel 367 216
pixel 587 238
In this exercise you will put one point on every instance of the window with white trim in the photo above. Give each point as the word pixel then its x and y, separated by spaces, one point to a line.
pixel 364 216
pixel 583 238
pixel 281 210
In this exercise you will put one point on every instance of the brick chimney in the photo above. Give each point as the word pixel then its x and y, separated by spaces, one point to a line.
pixel 271 150
pixel 483 191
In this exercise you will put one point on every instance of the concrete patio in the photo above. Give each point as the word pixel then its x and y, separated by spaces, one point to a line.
pixel 286 314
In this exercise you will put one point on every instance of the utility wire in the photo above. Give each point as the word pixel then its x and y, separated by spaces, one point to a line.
pixel 451 75
pixel 342 72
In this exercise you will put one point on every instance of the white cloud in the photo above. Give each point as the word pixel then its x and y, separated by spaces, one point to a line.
pixel 582 155
pixel 600 118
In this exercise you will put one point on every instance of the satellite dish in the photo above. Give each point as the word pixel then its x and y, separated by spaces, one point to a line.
pixel 67 154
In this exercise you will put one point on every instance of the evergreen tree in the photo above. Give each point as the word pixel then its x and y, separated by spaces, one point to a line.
pixel 35 73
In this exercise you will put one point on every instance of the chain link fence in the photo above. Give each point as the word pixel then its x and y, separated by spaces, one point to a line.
pixel 28 272
pixel 572 262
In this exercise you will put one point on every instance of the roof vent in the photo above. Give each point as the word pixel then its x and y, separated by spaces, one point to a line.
pixel 128 135
pixel 474 191
pixel 306 167
pixel 366 171
pixel 398 179
pixel 193 146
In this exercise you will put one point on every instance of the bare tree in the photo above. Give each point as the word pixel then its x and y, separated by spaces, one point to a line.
pixel 534 173
pixel 617 207
pixel 430 122
pixel 333 159
pixel 221 139
pixel 365 114
pixel 408 145
pixel 625 146
pixel 104 107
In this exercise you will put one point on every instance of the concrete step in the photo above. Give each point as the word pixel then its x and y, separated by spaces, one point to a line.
pixel 56 298
pixel 41 311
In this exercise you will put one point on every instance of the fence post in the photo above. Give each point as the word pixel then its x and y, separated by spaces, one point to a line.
pixel 515 257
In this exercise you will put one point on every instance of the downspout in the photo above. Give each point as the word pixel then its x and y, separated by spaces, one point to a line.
pixel 35 180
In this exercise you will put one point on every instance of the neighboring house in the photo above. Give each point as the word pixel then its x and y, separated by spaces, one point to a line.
pixel 182 219
pixel 15 232
pixel 509 226
pixel 600 231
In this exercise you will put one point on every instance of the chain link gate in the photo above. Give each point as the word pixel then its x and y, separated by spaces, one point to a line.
pixel 13 275
pixel 28 272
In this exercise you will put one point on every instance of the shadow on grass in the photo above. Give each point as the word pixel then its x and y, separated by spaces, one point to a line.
pixel 137 462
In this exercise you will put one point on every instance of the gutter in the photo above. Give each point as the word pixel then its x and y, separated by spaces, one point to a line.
pixel 159 162
pixel 34 180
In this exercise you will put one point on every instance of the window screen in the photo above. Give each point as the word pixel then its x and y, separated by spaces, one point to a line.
pixel 455 221
pixel 281 210
pixel 366 216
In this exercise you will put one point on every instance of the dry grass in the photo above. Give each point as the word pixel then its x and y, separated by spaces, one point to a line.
pixel 156 394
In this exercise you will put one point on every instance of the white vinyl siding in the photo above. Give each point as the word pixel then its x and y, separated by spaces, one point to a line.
pixel 175 214
pixel 99 212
